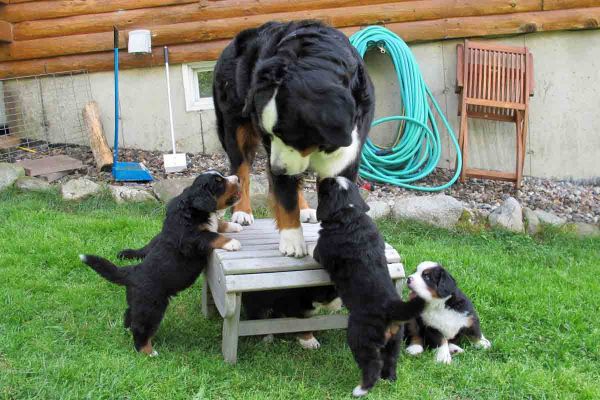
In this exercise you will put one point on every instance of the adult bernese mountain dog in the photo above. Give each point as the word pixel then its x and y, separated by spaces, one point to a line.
pixel 175 257
pixel 448 317
pixel 352 250
pixel 301 90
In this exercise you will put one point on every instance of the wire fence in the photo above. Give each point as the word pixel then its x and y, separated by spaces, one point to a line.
pixel 42 114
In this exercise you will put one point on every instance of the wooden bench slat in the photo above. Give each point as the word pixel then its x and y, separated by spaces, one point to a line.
pixel 289 280
pixel 266 247
pixel 267 257
pixel 288 325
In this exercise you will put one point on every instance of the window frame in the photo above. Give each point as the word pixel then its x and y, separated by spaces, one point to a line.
pixel 193 101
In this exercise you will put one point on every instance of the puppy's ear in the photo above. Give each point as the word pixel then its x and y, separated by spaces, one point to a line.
pixel 328 206
pixel 446 284
pixel 203 200
pixel 357 201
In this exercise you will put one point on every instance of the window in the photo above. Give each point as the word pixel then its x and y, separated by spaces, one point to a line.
pixel 197 84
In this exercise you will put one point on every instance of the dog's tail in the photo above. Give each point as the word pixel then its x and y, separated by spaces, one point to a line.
pixel 400 310
pixel 106 269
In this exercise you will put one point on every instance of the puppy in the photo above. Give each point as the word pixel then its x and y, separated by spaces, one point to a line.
pixel 448 316
pixel 292 303
pixel 175 257
pixel 352 250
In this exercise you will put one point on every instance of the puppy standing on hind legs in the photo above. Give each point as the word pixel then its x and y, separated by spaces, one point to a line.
pixel 174 258
pixel 352 251
pixel 448 317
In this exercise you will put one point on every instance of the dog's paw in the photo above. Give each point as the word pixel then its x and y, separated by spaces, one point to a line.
pixel 309 344
pixel 233 227
pixel 232 245
pixel 242 218
pixel 443 355
pixel 308 215
pixel 483 343
pixel 359 391
pixel 153 354
pixel 454 349
pixel 414 349
pixel 291 243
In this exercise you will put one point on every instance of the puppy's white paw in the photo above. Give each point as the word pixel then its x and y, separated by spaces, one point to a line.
pixel 308 215
pixel 334 305
pixel 291 243
pixel 232 245
pixel 483 343
pixel 310 344
pixel 454 349
pixel 268 339
pixel 443 355
pixel 359 391
pixel 242 218
pixel 414 349
pixel 233 227
pixel 153 354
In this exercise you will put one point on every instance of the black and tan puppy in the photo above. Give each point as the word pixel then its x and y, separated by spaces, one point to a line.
pixel 175 257
pixel 352 250
pixel 448 317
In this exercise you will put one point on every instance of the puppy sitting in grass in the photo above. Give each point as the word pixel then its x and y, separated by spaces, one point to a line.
pixel 448 317
pixel 173 260
pixel 352 250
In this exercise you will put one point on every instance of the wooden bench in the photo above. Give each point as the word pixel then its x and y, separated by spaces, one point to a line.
pixel 260 266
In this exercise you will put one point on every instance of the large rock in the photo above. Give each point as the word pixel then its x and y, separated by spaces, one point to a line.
pixel 508 216
pixel 533 222
pixel 440 210
pixel 259 191
pixel 584 230
pixel 80 188
pixel 124 194
pixel 166 189
pixel 378 209
pixel 549 218
pixel 28 183
pixel 9 173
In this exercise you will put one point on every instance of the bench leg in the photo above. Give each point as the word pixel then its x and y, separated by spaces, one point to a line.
pixel 208 303
pixel 399 283
pixel 231 328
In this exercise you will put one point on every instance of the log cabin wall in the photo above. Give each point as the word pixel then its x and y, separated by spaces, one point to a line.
pixel 60 35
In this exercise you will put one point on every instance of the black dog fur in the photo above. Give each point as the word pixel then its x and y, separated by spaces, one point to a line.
pixel 174 258
pixel 352 250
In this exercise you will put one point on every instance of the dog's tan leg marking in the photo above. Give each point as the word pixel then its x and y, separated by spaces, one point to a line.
pixel 225 227
pixel 247 141
pixel 286 219
pixel 148 349
pixel 225 243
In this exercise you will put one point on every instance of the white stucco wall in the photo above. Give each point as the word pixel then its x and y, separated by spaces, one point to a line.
pixel 563 139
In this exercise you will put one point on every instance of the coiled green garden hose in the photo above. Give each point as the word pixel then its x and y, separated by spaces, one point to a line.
pixel 417 149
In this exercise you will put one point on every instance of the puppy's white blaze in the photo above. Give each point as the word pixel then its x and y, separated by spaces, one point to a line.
pixel 359 391
pixel 242 218
pixel 331 164
pixel 308 215
pixel 232 245
pixel 442 354
pixel 414 349
pixel 268 118
pixel 343 182
pixel 310 344
pixel 284 156
pixel 426 265
pixel 417 284
pixel 291 242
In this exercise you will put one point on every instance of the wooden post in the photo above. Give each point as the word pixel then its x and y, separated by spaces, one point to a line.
pixel 100 149
pixel 208 304
pixel 231 329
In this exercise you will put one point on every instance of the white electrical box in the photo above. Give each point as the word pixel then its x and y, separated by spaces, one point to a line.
pixel 140 41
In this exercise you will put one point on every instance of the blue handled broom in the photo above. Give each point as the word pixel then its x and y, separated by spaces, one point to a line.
pixel 124 171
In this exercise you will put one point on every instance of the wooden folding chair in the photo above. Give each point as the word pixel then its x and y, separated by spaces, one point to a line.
pixel 495 83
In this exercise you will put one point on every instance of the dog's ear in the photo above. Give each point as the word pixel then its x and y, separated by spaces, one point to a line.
pixel 205 202
pixel 336 127
pixel 446 284
pixel 268 76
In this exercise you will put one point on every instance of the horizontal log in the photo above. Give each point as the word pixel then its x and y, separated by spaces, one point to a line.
pixel 148 17
pixel 6 32
pixel 190 32
pixel 411 32
pixel 566 4
pixel 56 9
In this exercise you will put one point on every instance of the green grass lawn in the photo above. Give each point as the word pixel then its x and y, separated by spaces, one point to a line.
pixel 61 333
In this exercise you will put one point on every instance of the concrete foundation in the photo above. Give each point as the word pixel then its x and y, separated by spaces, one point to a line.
pixel 563 140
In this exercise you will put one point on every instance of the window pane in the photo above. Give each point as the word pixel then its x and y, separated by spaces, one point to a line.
pixel 205 79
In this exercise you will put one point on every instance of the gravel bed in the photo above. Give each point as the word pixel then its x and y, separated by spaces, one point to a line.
pixel 573 201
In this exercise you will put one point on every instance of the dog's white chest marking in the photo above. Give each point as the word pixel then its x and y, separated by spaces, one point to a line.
pixel 212 224
pixel 331 164
pixel 445 320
